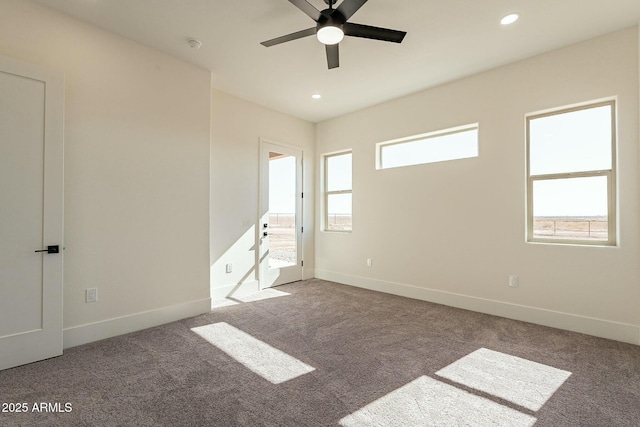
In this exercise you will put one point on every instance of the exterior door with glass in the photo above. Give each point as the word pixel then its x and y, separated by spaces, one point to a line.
pixel 280 228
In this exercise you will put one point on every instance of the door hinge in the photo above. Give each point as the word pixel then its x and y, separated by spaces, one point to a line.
pixel 301 263
pixel 302 229
pixel 302 195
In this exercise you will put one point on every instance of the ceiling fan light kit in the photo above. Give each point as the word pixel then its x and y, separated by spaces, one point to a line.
pixel 332 26
pixel 330 34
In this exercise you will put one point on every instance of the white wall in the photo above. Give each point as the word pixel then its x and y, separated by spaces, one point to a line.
pixel 453 232
pixel 136 172
pixel 237 127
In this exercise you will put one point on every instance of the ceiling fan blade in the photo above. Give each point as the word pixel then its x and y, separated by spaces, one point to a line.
pixel 348 7
pixel 333 55
pixel 307 8
pixel 366 31
pixel 289 37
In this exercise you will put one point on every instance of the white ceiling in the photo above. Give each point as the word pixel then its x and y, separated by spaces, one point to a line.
pixel 446 40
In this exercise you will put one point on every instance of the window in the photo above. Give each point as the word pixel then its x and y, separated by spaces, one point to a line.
pixel 337 192
pixel 449 144
pixel 571 175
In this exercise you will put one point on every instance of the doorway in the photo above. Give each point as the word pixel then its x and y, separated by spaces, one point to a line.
pixel 280 226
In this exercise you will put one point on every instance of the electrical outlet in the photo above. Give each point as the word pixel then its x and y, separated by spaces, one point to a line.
pixel 369 262
pixel 91 295
pixel 513 281
pixel 229 268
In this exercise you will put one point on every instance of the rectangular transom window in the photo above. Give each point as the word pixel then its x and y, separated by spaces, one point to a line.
pixel 449 144
pixel 571 175
pixel 338 192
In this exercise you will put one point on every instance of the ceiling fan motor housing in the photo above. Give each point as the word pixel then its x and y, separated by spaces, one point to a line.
pixel 331 18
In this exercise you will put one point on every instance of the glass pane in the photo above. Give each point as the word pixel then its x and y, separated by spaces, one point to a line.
pixel 283 249
pixel 339 216
pixel 459 145
pixel 571 208
pixel 577 141
pixel 339 172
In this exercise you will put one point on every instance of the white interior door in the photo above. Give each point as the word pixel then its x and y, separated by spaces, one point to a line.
pixel 280 227
pixel 31 212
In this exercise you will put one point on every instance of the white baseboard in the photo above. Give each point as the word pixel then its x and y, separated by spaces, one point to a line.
pixel 84 334
pixel 597 327
pixel 237 290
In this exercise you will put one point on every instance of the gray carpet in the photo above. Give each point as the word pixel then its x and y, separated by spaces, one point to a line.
pixel 369 359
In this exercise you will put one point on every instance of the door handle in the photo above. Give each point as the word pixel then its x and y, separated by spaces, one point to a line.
pixel 54 249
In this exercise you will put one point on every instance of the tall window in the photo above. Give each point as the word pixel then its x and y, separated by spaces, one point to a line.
pixel 571 175
pixel 337 192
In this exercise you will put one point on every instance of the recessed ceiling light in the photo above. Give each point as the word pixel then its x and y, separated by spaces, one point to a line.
pixel 510 18
pixel 316 96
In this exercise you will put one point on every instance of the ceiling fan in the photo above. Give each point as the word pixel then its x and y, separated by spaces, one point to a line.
pixel 332 26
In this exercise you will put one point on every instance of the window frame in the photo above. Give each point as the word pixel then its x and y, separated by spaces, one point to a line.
pixel 327 193
pixel 426 137
pixel 610 174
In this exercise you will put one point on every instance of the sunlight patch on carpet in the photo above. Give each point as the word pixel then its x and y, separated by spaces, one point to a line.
pixel 429 402
pixel 262 295
pixel 222 303
pixel 270 363
pixel 520 381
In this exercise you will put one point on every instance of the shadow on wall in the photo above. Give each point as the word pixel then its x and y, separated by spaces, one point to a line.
pixel 234 272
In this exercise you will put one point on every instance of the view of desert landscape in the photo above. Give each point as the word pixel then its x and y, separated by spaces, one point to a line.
pixel 577 228
pixel 283 238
